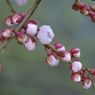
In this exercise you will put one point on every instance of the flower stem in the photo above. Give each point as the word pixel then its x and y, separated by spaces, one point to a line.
pixel 3 45
pixel 11 7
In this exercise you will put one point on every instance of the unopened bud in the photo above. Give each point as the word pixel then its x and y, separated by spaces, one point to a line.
pixel 65 56
pixel 76 77
pixel 52 60
pixel 87 82
pixel 30 44
pixel 59 46
pixel 9 21
pixel 75 53
pixel 76 66
pixel 7 33
pixel 21 37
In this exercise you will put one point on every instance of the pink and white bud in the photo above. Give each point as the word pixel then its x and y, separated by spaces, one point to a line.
pixel 87 82
pixel 45 34
pixel 59 46
pixel 80 4
pixel 17 18
pixel 84 11
pixel 76 66
pixel 31 44
pixel 21 2
pixel 91 13
pixel 92 7
pixel 7 33
pixel 65 56
pixel 1 39
pixel 52 60
pixel 75 6
pixel 21 37
pixel 75 53
pixel 9 21
pixel 76 77
pixel 31 29
pixel 93 71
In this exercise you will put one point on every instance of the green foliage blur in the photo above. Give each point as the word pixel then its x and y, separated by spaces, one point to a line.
pixel 26 72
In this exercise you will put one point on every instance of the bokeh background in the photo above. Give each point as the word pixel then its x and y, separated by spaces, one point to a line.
pixel 26 72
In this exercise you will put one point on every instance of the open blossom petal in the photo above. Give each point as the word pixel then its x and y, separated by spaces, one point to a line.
pixel 45 34
pixel 21 2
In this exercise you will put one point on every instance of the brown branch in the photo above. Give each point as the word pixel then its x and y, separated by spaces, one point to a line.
pixel 11 7
pixel 23 22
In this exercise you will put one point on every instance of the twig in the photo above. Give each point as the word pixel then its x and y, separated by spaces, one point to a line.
pixel 11 7
pixel 23 22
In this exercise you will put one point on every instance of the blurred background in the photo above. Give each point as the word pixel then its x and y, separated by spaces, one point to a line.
pixel 26 72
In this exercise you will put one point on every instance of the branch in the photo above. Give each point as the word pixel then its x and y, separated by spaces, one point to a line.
pixel 23 22
pixel 9 3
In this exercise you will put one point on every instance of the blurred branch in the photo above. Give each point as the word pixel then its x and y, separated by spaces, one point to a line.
pixel 9 3
pixel 3 45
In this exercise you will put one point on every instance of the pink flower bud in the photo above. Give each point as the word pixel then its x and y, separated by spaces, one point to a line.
pixel 84 11
pixel 65 56
pixel 80 4
pixel 87 7
pixel 52 60
pixel 87 82
pixel 1 39
pixel 21 2
pixel 92 71
pixel 31 29
pixel 17 18
pixel 45 34
pixel 7 33
pixel 75 53
pixel 31 44
pixel 76 66
pixel 75 6
pixel 21 37
pixel 76 77
pixel 92 7
pixel 9 21
pixel 59 46
pixel 91 13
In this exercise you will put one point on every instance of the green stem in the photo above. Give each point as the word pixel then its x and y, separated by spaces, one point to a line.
pixel 47 45
pixel 9 3
pixel 23 22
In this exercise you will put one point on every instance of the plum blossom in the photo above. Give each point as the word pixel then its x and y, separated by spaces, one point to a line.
pixel 45 34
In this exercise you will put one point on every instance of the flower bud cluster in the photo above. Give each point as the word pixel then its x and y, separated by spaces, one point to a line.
pixel 65 55
pixel 78 73
pixel 25 35
pixel 87 10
